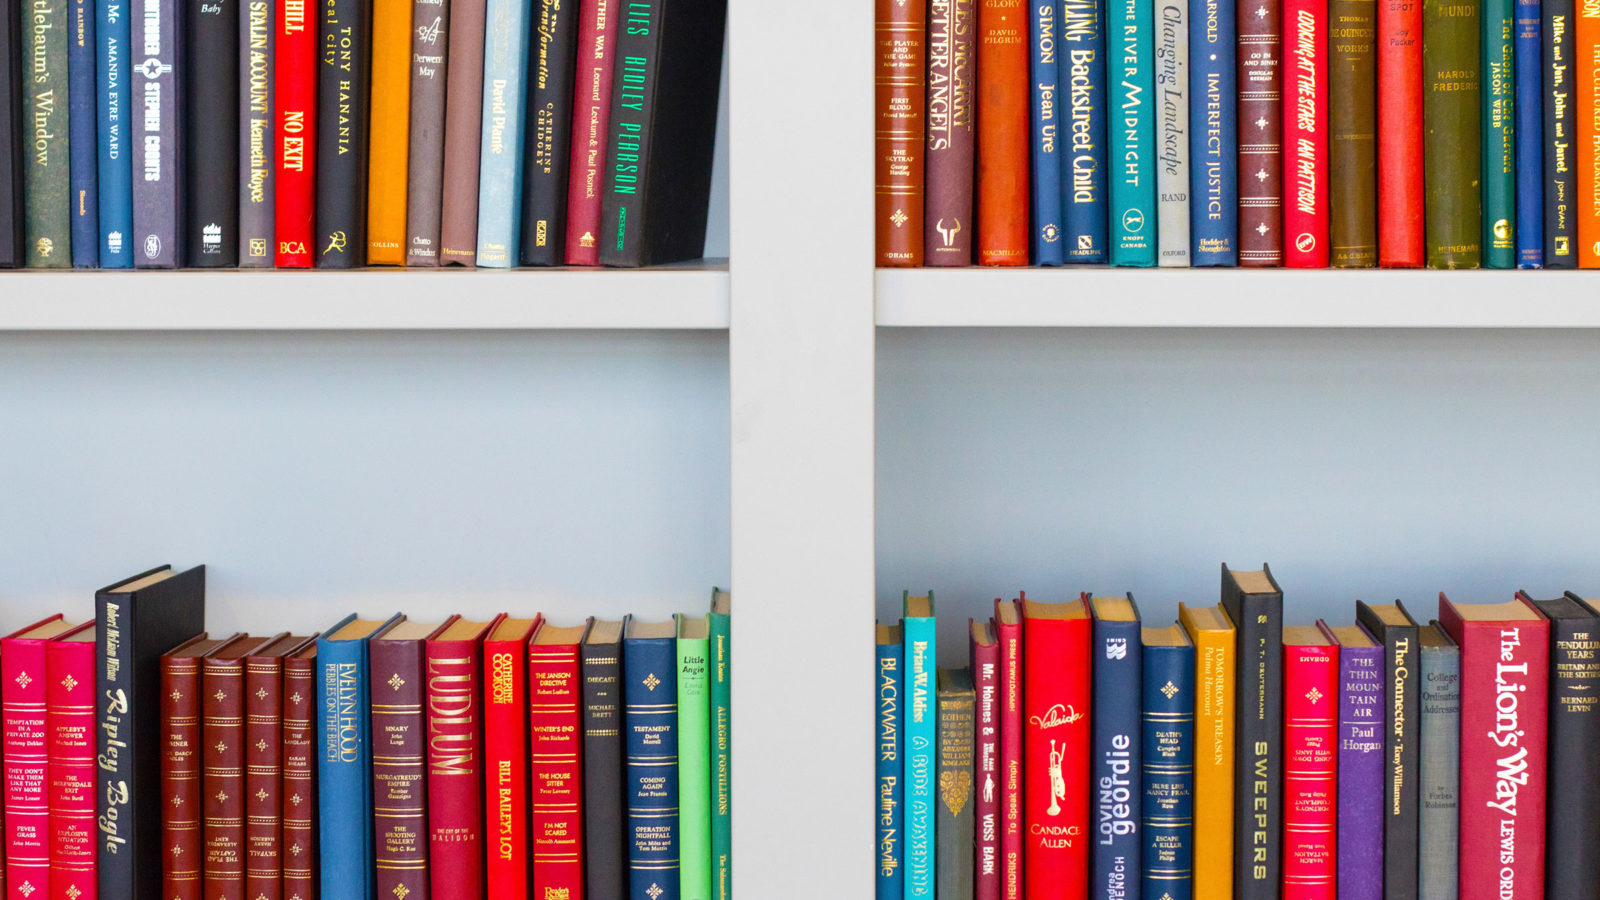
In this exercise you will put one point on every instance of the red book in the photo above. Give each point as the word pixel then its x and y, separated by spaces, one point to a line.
pixel 70 733
pixel 1505 677
pixel 181 842
pixel 298 835
pixel 591 120
pixel 986 778
pixel 505 755
pixel 294 93
pixel 1305 133
pixel 1586 47
pixel 222 753
pixel 1003 133
pixel 1310 769
pixel 22 703
pixel 263 767
pixel 1008 634
pixel 1400 234
pixel 555 722
pixel 1055 744
pixel 455 786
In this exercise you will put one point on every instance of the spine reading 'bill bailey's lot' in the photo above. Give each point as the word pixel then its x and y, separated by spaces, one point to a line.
pixel 114 34
pixel 258 139
pixel 1002 134
pixel 1083 141
pixel 506 757
pixel 951 132
pixel 1045 197
pixel 921 737
pixel 1558 100
pixel 82 125
pixel 1213 139
pixel 430 28
pixel 891 765
pixel 294 94
pixel 1133 134
pixel 1172 131
pixel 1305 129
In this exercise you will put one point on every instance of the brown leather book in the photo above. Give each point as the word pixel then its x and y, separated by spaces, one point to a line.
pixel 263 767
pixel 182 843
pixel 952 132
pixel 463 134
pixel 901 97
pixel 222 731
pixel 299 836
pixel 397 677
pixel 1003 133
pixel 1260 118
pixel 1353 129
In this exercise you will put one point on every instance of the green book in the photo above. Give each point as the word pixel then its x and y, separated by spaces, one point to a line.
pixel 1453 151
pixel 46 190
pixel 694 759
pixel 1499 138
pixel 721 749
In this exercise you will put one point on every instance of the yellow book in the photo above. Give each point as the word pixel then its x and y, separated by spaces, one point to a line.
pixel 1212 633
pixel 390 132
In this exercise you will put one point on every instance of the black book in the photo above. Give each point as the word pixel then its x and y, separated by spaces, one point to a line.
pixel 211 143
pixel 1572 842
pixel 547 150
pixel 663 130
pixel 1254 602
pixel 11 226
pixel 1560 135
pixel 604 856
pixel 342 105
pixel 1391 625
pixel 136 620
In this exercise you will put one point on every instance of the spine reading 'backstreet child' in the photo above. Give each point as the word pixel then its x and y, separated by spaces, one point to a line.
pixel 114 34
pixel 1172 131
pixel 1083 139
pixel 1133 133
pixel 1213 139
pixel 951 132
pixel 258 136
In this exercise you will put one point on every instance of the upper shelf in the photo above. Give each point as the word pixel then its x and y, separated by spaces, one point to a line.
pixel 1236 298
pixel 690 296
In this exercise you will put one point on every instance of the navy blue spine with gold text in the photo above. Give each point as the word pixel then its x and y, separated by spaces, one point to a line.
pixel 10 135
pixel 1168 770
pixel 1116 790
pixel 1083 131
pixel 650 726
pixel 1213 136
pixel 84 149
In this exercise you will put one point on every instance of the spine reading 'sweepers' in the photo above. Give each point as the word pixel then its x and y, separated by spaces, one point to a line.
pixel 1002 134
pixel 211 151
pixel 342 103
pixel 294 94
pixel 1558 97
pixel 1045 91
pixel 1257 615
pixel 1399 135
pixel 1083 141
pixel 1453 151
pixel 1213 139
pixel 1133 135
pixel 1265 132
pixel 114 34
pixel 505 65
pixel 901 97
pixel 1172 132
pixel 258 137
pixel 1529 136
pixel 1352 144
pixel 591 130
pixel 82 121
pixel 463 132
pixel 547 148
pixel 1305 131
pixel 158 208
pixel 47 183
pixel 1498 95
pixel 425 160
pixel 389 139
pixel 952 134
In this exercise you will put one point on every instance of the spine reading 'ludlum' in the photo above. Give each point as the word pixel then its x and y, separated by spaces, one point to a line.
pixel 1305 128
pixel 258 137
pixel 952 119
pixel 1213 142
pixel 1529 139
pixel 547 148
pixel 505 79
pixel 1133 135
pixel 1266 179
pixel 1083 141
pixel 1352 145
pixel 1558 99
pixel 82 120
pixel 342 97
pixel 1172 131
pixel 46 181
pixel 1498 91
pixel 1045 197
pixel 455 769
pixel 113 33
pixel 430 28
pixel 211 151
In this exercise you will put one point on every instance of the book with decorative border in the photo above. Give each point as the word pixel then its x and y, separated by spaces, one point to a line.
pixel 505 755
pixel 1056 747
pixel 1265 77
pixel 555 724
pixel 69 716
pixel 604 816
pixel 1167 760
pixel 396 682
pixel 264 748
pixel 1215 647
pixel 1362 762
pixel 222 728
pixel 1572 848
pixel 920 629
pixel 182 742
pixel 455 759
pixel 1311 762
pixel 650 726
pixel 299 835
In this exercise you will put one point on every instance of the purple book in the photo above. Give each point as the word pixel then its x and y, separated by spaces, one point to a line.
pixel 952 119
pixel 1360 840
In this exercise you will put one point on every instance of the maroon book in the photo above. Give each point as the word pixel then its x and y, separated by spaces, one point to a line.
pixel 952 132
pixel 299 836
pixel 181 840
pixel 463 134
pixel 1008 634
pixel 399 774
pixel 986 780
pixel 591 118
pixel 454 660
pixel 263 767
pixel 1260 118
pixel 222 753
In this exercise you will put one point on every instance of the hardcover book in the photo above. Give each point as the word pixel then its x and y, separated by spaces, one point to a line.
pixel 82 120
pixel 1438 769
pixel 1353 125
pixel 1586 58
pixel 182 743
pixel 46 181
pixel 591 131
pixel 1399 135
pixel 23 700
pixel 1305 131
pixel 1172 132
pixel 1528 108
pixel 952 132
pixel 547 148
pixel 1116 732
pixel 1007 624
pixel 1254 603
pixel 1310 782
pixel 1002 181
pixel 1213 138
pixel 1572 848
pixel 1045 87
pixel 258 139
pixel 455 757
pixel 901 93
pixel 1395 630
pixel 890 879
pixel 342 121
pixel 1133 135
pixel 299 836
pixel 604 872
pixel 1215 677
pixel 425 143
pixel 694 758
pixel 506 755
pixel 11 159
pixel 390 136
pixel 1055 785
pixel 463 133
pixel 505 66
pixel 954 826
pixel 211 152
pixel 1167 761
pixel 721 745
pixel 1453 150
pixel 1361 761
pixel 69 716
pixel 555 723
pixel 396 682
pixel 158 178
pixel 264 746
pixel 650 724
pixel 294 95
pixel 1083 150
pixel 1497 91
pixel 1558 99
pixel 921 736
pixel 1266 94
pixel 222 758
pixel 985 654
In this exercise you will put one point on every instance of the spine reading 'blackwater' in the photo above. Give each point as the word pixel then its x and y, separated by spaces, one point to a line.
pixel 1213 139
pixel 547 148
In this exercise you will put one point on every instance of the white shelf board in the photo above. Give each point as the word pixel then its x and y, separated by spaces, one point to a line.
pixel 690 296
pixel 1236 298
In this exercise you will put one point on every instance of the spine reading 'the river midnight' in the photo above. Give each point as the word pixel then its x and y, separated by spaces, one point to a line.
pixel 547 148
pixel 46 183
pixel 1352 143
pixel 342 103
pixel 83 103
pixel 1560 185
pixel 1045 185
pixel 158 187
pixel 1083 141
pixel 1133 134
pixel 505 65
pixel 211 152
pixel 1172 131
pixel 1213 139
pixel 1263 72
pixel 1453 151
pixel 1529 136
pixel 258 136
pixel 1305 132
pixel 951 132
pixel 430 28
pixel 1498 95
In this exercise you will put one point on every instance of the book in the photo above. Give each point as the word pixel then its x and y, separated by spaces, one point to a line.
pixel 1002 179
pixel 264 750
pixel 721 744
pixel 23 701
pixel 299 835
pixel 463 133
pixel 1586 58
pixel 1353 126
pixel 1572 850
pixel 182 743
pixel 1254 604
pixel 1216 675
pixel 222 781
pixel 1497 93
pixel 1045 198
pixel 158 161
pixel 294 93
pixel 921 737
pixel 258 138
pixel 210 32
pixel 506 756
pixel 505 66
pixel 389 153
pixel 555 726
pixel 1213 138
pixel 1505 677
pixel 1266 77
pixel 1116 733
pixel 694 757
pixel 1558 98
pixel 113 33
pixel 985 655
pixel 11 158
pixel 1305 135
pixel 425 142
pixel 1399 135
pixel 46 181
pixel 137 619
pixel 69 734
pixel 951 132
pixel 1527 134
pixel 1133 134
pixel 953 821
pixel 1453 149
pixel 1172 132
pixel 1438 769
pixel 396 682
pixel 454 659
pixel 547 149
pixel 663 127
pixel 1394 629
pixel 889 882
pixel 1056 738
pixel 591 129
pixel 1007 623
pixel 1083 151
pixel 1361 763
pixel 604 819
pixel 649 664
pixel 83 133
pixel 344 761
pixel 1310 780
pixel 343 98
pixel 1167 763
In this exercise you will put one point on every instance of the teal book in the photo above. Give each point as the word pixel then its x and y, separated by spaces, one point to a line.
pixel 921 744
pixel 1499 137
pixel 46 171
pixel 721 748
pixel 505 78
pixel 1133 133
pixel 694 758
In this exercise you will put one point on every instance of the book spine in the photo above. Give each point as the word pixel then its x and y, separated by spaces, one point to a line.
pixel 547 152
pixel 1453 151
pixel 263 774
pixel 1267 131
pixel 1083 151
pixel 390 135
pixel 27 821
pixel 650 723
pixel 298 837
pixel 463 129
pixel 11 162
pixel 505 766
pixel 1172 133
pixel 1258 735
pixel 158 180
pixel 722 757
pixel 1402 720
pixel 1572 848
pixel 1399 141
pixel 113 35
pixel 1009 639
pixel 211 153
pixel 505 66
pixel 921 734
pixel 294 94
pixel 1045 43
pixel 1504 709
pixel 82 119
pixel 1352 146
pixel 1167 761
pixel 455 777
pixel 1497 92
pixel 1305 128
pixel 555 722
pixel 1439 773
pixel 1560 186
pixel 694 768
pixel 1361 767
pixel 1213 138
pixel 986 777
pixel 399 769
pixel 591 127
pixel 1002 135
pixel 954 826
pixel 342 105
pixel 1055 789
pixel 69 733
pixel 951 132
pixel 1310 787
pixel 901 94
pixel 1117 737
pixel 425 153
pixel 1586 37
pixel 604 858
pixel 258 139
pixel 344 772
pixel 1216 677
pixel 1529 139
pixel 116 747
pixel 1133 135
pixel 222 729
pixel 180 779
pixel 46 171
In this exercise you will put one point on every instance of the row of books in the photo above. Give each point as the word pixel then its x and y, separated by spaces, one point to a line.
pixel 1233 757
pixel 1301 133
pixel 356 132
pixel 451 760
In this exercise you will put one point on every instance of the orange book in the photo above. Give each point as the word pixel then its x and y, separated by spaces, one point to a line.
pixel 1586 43
pixel 1003 133
pixel 390 132
pixel 1213 635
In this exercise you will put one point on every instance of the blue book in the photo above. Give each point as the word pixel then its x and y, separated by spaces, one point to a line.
pixel 891 656
pixel 115 175
pixel 1133 135
pixel 344 760
pixel 1168 763
pixel 1117 735
pixel 81 142
pixel 505 68
pixel 650 742
pixel 921 736
pixel 1083 138
pixel 1046 181
pixel 1213 136
pixel 1498 97
pixel 1529 107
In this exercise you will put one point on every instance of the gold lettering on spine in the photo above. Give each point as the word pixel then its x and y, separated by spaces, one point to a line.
pixel 450 716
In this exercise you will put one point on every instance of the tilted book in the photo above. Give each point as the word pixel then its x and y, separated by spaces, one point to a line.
pixel 1353 127
pixel 953 821
pixel 1265 38
pixel 1399 135
pixel 505 75
pixel 342 128
pixel 1392 626
pixel 1361 765
pixel 889 852
pixel 1007 624
pixel 222 782
pixel 390 137
pixel 182 743
pixel 258 135
pixel 1558 100
pixel 158 157
pixel 299 834
pixel 1528 110
pixel 264 744
pixel 1452 148
pixel 1045 92
pixel 46 181
pixel 985 654
pixel 425 160
pixel 1213 138
pixel 951 132
pixel 455 760
pixel 505 755
pixel 396 682
pixel 83 95
pixel 547 147
pixel 1167 741
pixel 1254 604
pixel 1133 134
pixel 555 723
pixel 69 718
pixel 1497 92
pixel 694 758
pixel 463 120
pixel 721 745
pixel 11 158
pixel 1117 673
pixel 1215 675
pixel 1083 137
pixel 604 819
pixel 209 88
pixel 591 131
pixel 1311 763
pixel 1438 769
pixel 1002 179
pixel 294 96
pixel 921 737
pixel 1305 135
pixel 1172 132
pixel 1056 738
pixel 649 665
pixel 1572 847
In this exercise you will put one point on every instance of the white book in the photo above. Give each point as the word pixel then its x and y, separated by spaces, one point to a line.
pixel 1172 131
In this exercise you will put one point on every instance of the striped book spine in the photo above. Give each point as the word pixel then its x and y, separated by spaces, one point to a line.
pixel 27 819
pixel 70 731
pixel 222 776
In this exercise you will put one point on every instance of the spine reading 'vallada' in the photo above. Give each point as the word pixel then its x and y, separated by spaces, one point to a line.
pixel 951 132
pixel 158 209
pixel 46 183
pixel 1352 144
pixel 258 137
pixel 1213 140
pixel 505 64
pixel 430 28
pixel 1529 139
pixel 1045 196
pixel 1560 185
pixel 1172 131
pixel 1264 72
pixel 547 148
pixel 1499 141
pixel 82 121
pixel 891 766
pixel 341 210
pixel 1083 137
pixel 1133 134
pixel 211 151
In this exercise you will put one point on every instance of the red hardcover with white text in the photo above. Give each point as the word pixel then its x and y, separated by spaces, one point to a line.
pixel 294 93
pixel 70 735
pixel 1305 134
pixel 455 753
pixel 1008 634
pixel 1055 783
pixel 555 727
pixel 22 703
pixel 1310 769
pixel 505 755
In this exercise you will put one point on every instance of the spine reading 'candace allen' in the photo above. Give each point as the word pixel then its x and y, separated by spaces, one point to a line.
pixel 555 714
pixel 547 149
pixel 1167 807
pixel 82 125
pixel 1453 150
pixel 1254 603
pixel 430 21
pixel 399 773
pixel 1008 634
pixel 113 34
pixel 1438 769
pixel 954 826
pixel 986 774
pixel 1133 134
pixel 1214 648
pixel 1305 130
pixel 694 758
pixel 952 135
pixel 69 735
pixel 505 65
pixel 390 136
pixel 1055 788
pixel 180 778
pixel 258 138
pixel 158 209
pixel 890 881
pixel 1399 130
pixel 1116 772
pixel 605 872
pixel 47 180
pixel 901 98
pixel 1045 194
pixel 1529 136
pixel 222 753
pixel 1213 140
pixel 1003 134
pixel 721 746
pixel 921 736
pixel 1361 739
pixel 1310 724
pixel 591 131
pixel 263 772
pixel 506 757
pixel 455 767
pixel 342 103
pixel 1083 140
pixel 1586 58
pixel 1172 131
pixel 651 790
pixel 463 131
pixel 344 770
pixel 294 95
pixel 211 150
pixel 1264 74
pixel 1352 145
pixel 1572 848
pixel 1559 189
pixel 1498 95
pixel 299 787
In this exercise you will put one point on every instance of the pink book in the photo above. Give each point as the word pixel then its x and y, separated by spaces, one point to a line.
pixel 1305 134
pixel 70 738
pixel 1008 634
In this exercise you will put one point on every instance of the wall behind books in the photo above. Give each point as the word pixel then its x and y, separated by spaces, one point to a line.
pixel 1359 464
pixel 316 474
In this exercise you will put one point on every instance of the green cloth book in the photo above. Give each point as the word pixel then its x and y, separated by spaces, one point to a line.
pixel 1452 167
pixel 694 759
pixel 721 748
pixel 1499 139
pixel 46 182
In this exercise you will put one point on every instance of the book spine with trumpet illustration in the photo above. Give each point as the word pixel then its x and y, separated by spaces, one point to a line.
pixel 1055 753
